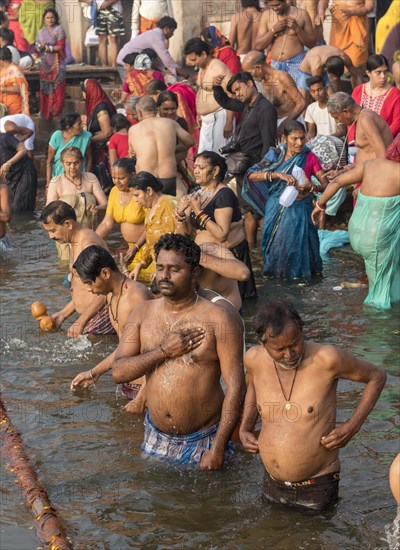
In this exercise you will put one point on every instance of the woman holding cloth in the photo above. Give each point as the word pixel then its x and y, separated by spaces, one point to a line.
pixel 290 243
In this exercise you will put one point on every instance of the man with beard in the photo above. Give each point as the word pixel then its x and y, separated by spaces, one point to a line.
pixel 182 343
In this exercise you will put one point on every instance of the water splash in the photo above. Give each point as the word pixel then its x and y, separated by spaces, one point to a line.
pixel 392 532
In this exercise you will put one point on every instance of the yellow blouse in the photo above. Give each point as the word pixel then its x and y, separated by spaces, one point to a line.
pixel 130 213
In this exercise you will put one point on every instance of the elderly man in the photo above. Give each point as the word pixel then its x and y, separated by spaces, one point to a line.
pixel 155 142
pixel 59 220
pixel 292 384
pixel 183 343
pixel 277 86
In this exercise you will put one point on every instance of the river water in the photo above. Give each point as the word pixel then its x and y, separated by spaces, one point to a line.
pixel 86 449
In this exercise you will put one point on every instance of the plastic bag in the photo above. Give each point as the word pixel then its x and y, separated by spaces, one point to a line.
pixel 91 38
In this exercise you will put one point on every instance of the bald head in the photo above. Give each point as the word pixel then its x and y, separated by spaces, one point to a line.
pixel 252 59
pixel 396 73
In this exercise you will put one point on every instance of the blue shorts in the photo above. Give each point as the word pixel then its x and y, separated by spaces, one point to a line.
pixel 302 77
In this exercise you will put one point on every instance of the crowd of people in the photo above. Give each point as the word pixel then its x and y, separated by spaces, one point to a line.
pixel 258 144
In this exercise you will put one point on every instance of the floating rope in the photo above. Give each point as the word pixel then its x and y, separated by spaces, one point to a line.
pixel 48 526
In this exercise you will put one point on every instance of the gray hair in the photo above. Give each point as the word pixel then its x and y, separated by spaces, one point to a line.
pixel 340 101
pixel 147 104
pixel 132 102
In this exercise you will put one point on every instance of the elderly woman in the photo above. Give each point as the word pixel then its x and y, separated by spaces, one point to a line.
pixel 79 189
pixel 18 170
pixel 14 92
pixel 50 44
pixel 290 243
pixel 213 212
pixel 71 134
pixel 122 208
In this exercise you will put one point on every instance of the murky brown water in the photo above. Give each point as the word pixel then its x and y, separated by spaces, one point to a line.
pixel 86 450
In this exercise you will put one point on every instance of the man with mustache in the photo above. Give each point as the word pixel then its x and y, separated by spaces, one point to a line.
pixel 292 384
pixel 182 343
pixel 59 220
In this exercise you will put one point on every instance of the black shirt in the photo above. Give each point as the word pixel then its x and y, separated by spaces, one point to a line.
pixel 256 131
pixel 224 198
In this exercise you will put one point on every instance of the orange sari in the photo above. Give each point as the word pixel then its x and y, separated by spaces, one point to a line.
pixel 17 102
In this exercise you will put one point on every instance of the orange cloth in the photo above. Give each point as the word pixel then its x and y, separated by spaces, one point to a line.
pixel 17 102
pixel 147 24
pixel 349 34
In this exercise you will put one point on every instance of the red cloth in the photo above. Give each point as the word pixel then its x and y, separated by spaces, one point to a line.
pixel 393 151
pixel 94 96
pixel 119 142
pixel 228 56
pixel 386 105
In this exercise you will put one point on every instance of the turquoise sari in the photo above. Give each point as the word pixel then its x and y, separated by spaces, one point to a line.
pixel 57 143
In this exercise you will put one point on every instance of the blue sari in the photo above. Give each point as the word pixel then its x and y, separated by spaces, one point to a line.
pixel 290 243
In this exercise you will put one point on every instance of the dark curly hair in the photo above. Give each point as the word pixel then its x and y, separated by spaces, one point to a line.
pixel 215 160
pixel 182 244
pixel 273 317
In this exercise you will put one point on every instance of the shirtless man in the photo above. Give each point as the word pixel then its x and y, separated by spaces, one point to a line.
pixel 292 384
pixel 182 343
pixel 323 61
pixel 99 272
pixel 244 27
pixel 216 123
pixel 59 220
pixel 316 10
pixel 286 30
pixel 155 142
pixel 372 135
pixel 277 86
pixel 5 217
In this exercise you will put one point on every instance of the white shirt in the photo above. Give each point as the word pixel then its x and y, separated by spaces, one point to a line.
pixel 21 120
pixel 326 125
pixel 150 9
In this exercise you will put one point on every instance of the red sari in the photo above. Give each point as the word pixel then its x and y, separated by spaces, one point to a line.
pixel 53 72
pixel 136 81
pixel 386 105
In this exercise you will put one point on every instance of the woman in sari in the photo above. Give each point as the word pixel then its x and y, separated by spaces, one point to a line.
pixel 221 48
pixel 50 44
pixel 30 16
pixel 99 111
pixel 138 76
pixel 290 243
pixel 14 92
pixel 14 25
pixel 71 134
pixel 159 211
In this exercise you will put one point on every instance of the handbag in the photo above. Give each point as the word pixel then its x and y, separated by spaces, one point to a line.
pixel 91 38
pixel 237 163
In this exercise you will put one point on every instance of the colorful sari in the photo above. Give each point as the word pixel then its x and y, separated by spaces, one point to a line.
pixel 349 34
pixel 30 16
pixel 53 72
pixel 223 50
pixel 16 103
pixel 136 81
pixel 187 106
pixel 290 243
pixel 15 26
pixel 97 101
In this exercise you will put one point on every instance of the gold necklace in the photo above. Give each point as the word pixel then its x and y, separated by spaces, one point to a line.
pixel 170 327
pixel 115 319
pixel 207 194
pixel 288 405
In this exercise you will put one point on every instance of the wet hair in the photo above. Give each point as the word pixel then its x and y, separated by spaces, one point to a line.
pixel 215 160
pixel 5 54
pixel 167 96
pixel 7 35
pixel 147 104
pixel 293 126
pixel 92 260
pixel 73 151
pixel 130 58
pixel 317 79
pixel 340 101
pixel 155 86
pixel 335 65
pixel 69 120
pixel 196 46
pixel 143 180
pixel 374 61
pixel 58 212
pixel 182 244
pixel 152 54
pixel 167 22
pixel 53 11
pixel 251 4
pixel 274 317
pixel 243 76
pixel 126 164
pixel 119 122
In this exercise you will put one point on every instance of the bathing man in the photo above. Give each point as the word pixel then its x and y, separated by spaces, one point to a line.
pixel 292 384
pixel 183 343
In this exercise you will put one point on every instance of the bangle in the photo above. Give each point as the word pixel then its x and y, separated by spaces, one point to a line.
pixel 137 248
pixel 319 207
